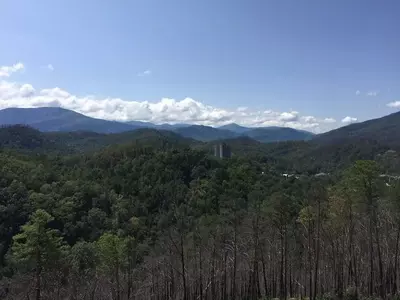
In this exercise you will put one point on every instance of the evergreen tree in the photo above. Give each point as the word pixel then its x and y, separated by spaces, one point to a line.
pixel 37 246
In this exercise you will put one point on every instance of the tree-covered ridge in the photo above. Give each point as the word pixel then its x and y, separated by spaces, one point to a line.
pixel 312 157
pixel 129 222
pixel 26 139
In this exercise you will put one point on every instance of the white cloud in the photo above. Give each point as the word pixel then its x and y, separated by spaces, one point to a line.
pixel 6 71
pixel 289 116
pixel 309 119
pixel 166 110
pixel 329 120
pixel 27 90
pixel 144 73
pixel 358 92
pixel 394 104
pixel 372 93
pixel 349 120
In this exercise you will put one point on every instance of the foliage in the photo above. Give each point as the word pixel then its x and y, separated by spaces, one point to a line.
pixel 112 251
pixel 156 218
pixel 37 244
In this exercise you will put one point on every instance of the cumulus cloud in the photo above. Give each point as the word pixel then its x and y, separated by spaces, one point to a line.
pixel 289 116
pixel 372 93
pixel 349 120
pixel 26 90
pixel 394 104
pixel 144 73
pixel 358 92
pixel 309 119
pixel 6 71
pixel 166 110
pixel 329 120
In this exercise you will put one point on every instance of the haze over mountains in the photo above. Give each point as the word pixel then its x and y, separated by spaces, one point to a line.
pixel 58 119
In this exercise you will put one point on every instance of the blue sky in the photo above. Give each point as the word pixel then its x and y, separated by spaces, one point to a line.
pixel 321 59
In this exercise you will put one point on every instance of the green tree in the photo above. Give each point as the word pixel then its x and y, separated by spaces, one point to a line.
pixel 14 212
pixel 83 259
pixel 113 253
pixel 363 176
pixel 37 246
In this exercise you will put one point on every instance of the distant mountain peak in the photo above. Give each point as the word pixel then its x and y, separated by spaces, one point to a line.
pixel 59 119
pixel 234 127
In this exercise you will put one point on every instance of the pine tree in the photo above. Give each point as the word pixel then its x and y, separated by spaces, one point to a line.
pixel 113 252
pixel 37 246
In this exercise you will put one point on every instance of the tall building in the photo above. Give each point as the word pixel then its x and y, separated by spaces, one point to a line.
pixel 222 150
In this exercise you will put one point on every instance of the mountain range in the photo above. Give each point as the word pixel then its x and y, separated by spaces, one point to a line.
pixel 55 119
pixel 325 152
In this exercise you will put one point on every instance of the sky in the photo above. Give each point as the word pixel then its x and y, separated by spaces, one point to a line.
pixel 310 64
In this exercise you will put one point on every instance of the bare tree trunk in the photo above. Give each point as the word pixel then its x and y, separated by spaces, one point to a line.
pixel 317 251
pixel 396 260
pixel 38 275
pixel 117 281
pixel 380 264
pixel 225 283
pixel 130 278
pixel 93 293
pixel 281 276
pixel 213 285
pixel 371 260
pixel 183 269
pixel 234 261
pixel 286 263
pixel 309 261
pixel 264 274
pixel 201 272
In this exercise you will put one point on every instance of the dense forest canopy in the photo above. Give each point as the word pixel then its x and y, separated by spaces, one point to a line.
pixel 151 215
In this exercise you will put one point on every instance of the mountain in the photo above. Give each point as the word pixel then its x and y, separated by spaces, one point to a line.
pixel 141 124
pixel 205 133
pixel 385 130
pixel 326 152
pixel 144 137
pixel 164 126
pixel 262 134
pixel 59 119
pixel 337 149
pixel 235 128
pixel 278 134
pixel 269 134
pixel 25 138
pixel 167 126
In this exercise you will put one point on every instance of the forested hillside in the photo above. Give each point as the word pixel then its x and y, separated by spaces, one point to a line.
pixel 29 140
pixel 199 150
pixel 129 222
pixel 149 214
pixel 337 149
pixel 321 154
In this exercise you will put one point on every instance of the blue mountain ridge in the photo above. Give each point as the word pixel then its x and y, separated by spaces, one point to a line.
pixel 48 119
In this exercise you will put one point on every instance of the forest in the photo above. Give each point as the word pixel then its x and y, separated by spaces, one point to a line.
pixel 165 221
